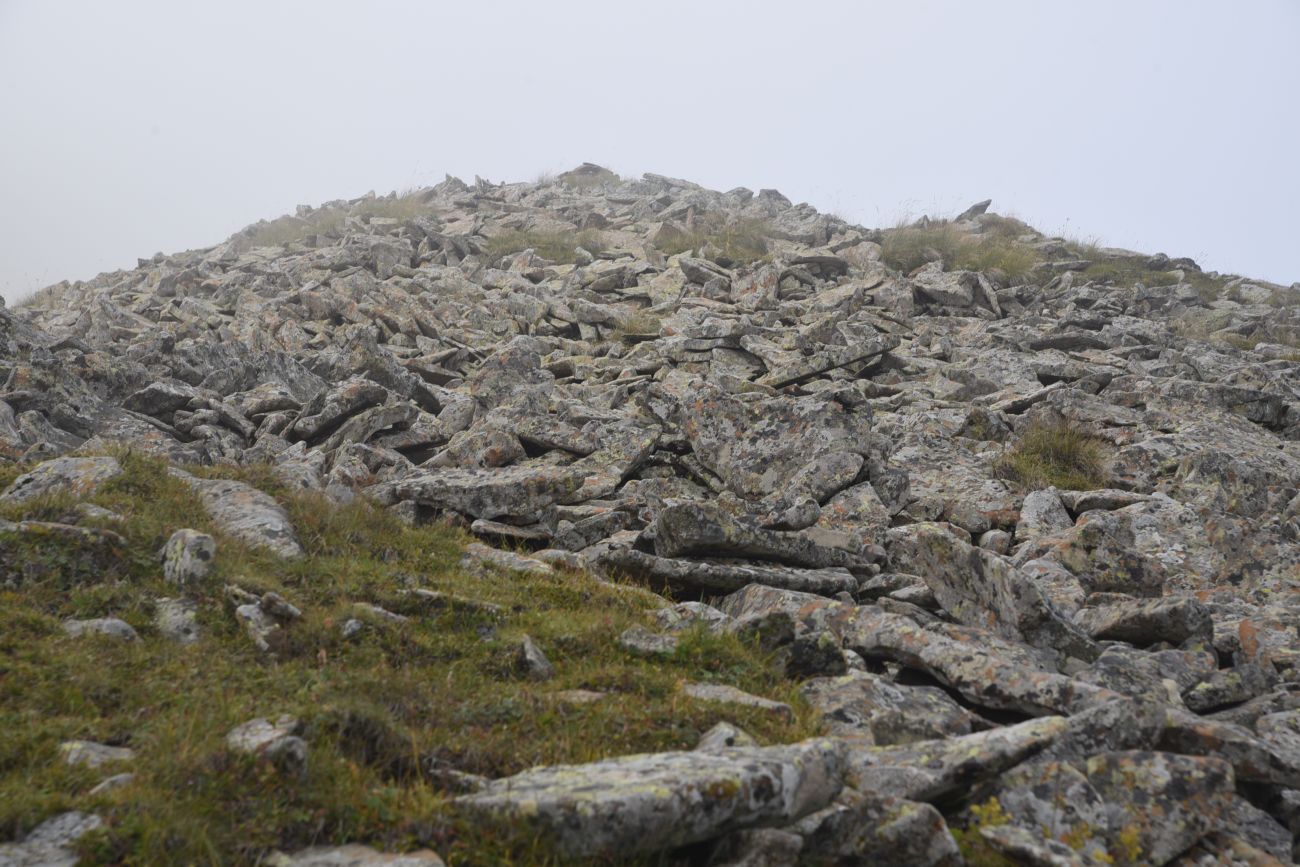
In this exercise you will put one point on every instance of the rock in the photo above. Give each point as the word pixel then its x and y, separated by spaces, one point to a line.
pixel 51 843
pixel 93 755
pixel 520 492
pixel 532 661
pixel 703 530
pixel 247 514
pixel 77 477
pixel 480 559
pixel 979 588
pixel 926 770
pixel 1229 686
pixel 759 847
pixel 754 446
pixel 177 620
pixel 1042 514
pixel 1159 804
pixel 353 855
pixel 642 803
pixel 862 828
pixel 725 577
pixel 860 703
pixel 722 694
pixel 724 736
pixel 188 556
pixel 110 626
pixel 1142 622
pixel 815 655
pixel 276 742
pixel 642 642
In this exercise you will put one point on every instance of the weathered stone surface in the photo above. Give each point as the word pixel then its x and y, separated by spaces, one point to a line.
pixel 926 770
pixel 51 843
pixel 110 626
pixel 509 491
pixel 247 514
pixel 723 694
pixel 77 477
pixel 1147 621
pixel 860 703
pixel 702 530
pixel 188 557
pixel 643 642
pixel 1160 802
pixel 662 800
pixel 94 755
pixel 979 588
pixel 277 742
pixel 177 620
pixel 862 828
pixel 353 855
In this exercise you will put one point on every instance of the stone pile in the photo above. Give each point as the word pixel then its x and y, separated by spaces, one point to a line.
pixel 801 435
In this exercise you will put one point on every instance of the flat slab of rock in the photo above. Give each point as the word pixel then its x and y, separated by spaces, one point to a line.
pixel 110 626
pixel 353 855
pixel 477 556
pixel 93 755
pixel 859 703
pixel 50 844
pixel 664 800
pixel 79 477
pixel 706 530
pixel 980 588
pixel 246 513
pixel 1142 622
pixel 723 694
pixel 930 769
pixel 518 491
pixel 726 577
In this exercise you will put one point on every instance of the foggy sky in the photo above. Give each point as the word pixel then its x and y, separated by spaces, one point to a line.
pixel 136 127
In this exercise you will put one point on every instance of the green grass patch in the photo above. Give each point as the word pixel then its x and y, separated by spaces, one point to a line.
pixel 737 242
pixel 1055 454
pixel 382 711
pixel 559 247
pixel 909 247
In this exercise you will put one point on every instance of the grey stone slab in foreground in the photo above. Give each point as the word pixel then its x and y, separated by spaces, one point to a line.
pixel 658 801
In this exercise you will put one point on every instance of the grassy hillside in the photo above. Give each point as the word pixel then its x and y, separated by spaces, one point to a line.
pixel 387 713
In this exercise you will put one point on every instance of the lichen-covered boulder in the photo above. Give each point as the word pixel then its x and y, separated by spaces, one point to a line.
pixel 1159 803
pixel 663 800
pixel 859 703
pixel 188 557
pixel 244 512
pixel 79 477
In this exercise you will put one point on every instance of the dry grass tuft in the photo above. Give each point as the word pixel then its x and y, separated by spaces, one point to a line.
pixel 1055 454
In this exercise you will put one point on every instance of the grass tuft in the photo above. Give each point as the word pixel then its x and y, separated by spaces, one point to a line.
pixel 739 242
pixel 1055 454
pixel 559 247
pixel 909 247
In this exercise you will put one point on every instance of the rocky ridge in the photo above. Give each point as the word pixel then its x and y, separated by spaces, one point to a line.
pixel 737 402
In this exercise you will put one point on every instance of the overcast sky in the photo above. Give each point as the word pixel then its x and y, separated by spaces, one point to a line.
pixel 134 127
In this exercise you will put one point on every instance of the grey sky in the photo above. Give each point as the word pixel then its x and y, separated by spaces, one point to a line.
pixel 134 127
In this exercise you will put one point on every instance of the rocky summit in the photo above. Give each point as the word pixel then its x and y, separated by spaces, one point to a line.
pixel 950 543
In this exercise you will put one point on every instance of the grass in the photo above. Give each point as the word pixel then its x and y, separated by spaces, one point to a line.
pixel 559 247
pixel 377 709
pixel 907 248
pixel 289 229
pixel 739 242
pixel 1057 454
pixel 326 221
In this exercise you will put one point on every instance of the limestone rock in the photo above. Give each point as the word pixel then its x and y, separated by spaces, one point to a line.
pixel 641 803
pixel 188 557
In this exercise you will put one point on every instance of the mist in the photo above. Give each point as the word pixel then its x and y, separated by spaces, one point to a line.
pixel 138 127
